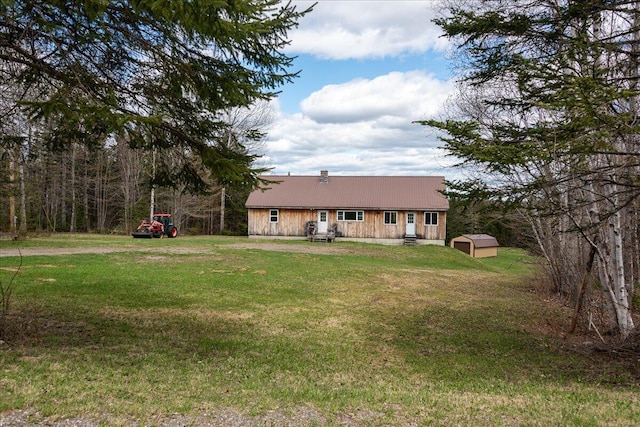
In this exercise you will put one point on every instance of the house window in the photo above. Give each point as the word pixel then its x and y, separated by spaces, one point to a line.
pixel 350 215
pixel 390 217
pixel 273 215
pixel 431 218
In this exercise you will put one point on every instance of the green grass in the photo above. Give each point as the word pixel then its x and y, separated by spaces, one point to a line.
pixel 375 335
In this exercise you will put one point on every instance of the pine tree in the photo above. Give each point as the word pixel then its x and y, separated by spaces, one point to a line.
pixel 155 73
pixel 547 108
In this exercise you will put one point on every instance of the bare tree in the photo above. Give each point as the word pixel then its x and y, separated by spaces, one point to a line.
pixel 548 110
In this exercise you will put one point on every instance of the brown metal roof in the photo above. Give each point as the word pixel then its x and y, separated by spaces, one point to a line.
pixel 352 192
pixel 482 240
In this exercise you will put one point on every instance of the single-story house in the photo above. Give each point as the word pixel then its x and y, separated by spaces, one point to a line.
pixel 376 209
pixel 476 245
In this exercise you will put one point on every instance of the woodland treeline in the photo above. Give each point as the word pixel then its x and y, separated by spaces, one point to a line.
pixel 101 101
pixel 548 113
pixel 105 189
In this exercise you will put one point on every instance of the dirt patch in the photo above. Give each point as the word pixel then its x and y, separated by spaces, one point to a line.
pixel 317 248
pixel 59 251
pixel 606 350
pixel 311 248
pixel 93 250
pixel 302 416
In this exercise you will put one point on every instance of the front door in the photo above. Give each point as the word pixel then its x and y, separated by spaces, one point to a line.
pixel 410 229
pixel 323 221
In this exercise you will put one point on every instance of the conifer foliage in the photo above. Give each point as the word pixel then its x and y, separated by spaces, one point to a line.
pixel 154 73
pixel 548 109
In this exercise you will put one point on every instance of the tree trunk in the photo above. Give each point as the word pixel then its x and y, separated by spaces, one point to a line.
pixel 23 200
pixel 222 207
pixel 63 191
pixel 12 197
pixel 621 296
pixel 85 192
pixel 101 192
pixel 73 221
pixel 583 288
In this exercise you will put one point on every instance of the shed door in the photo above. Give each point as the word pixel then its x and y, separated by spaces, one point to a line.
pixel 323 221
pixel 463 246
pixel 410 229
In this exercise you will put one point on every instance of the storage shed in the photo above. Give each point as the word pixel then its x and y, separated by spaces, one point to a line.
pixel 476 245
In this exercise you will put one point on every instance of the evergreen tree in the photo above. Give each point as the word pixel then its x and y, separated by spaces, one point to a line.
pixel 548 109
pixel 155 73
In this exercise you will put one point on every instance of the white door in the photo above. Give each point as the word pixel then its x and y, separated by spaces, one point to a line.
pixel 410 229
pixel 323 221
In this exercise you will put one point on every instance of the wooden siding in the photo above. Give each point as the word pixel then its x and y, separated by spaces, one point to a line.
pixel 291 222
pixel 485 252
pixel 432 232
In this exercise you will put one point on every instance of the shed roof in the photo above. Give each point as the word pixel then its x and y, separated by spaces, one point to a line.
pixel 482 240
pixel 351 192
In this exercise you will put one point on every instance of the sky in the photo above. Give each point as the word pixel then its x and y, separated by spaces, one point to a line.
pixel 368 70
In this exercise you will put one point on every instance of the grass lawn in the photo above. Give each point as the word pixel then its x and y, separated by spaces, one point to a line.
pixel 198 329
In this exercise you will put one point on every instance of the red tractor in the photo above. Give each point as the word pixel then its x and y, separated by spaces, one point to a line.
pixel 161 225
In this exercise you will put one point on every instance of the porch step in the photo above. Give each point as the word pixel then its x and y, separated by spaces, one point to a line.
pixel 410 240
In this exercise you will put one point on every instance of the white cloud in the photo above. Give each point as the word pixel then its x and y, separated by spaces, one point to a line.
pixel 367 29
pixel 411 95
pixel 363 127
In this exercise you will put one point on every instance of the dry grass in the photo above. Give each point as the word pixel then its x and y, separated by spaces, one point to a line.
pixel 227 335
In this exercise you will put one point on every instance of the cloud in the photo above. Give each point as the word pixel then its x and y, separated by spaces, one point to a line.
pixel 363 127
pixel 367 29
pixel 411 95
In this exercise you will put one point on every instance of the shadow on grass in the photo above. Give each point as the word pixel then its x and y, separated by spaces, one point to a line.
pixel 169 360
pixel 466 348
pixel 473 346
pixel 168 332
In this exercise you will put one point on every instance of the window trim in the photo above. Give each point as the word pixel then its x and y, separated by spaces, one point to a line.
pixel 272 215
pixel 340 215
pixel 430 215
pixel 390 218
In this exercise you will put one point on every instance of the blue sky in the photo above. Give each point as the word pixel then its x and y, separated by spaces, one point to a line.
pixel 316 73
pixel 367 70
